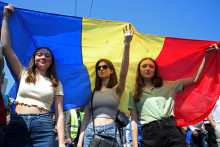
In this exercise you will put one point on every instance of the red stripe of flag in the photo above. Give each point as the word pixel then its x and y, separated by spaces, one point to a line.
pixel 181 58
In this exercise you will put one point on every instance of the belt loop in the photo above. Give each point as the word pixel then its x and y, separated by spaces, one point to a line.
pixel 164 121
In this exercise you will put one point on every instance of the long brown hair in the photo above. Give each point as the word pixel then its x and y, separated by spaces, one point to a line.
pixel 32 70
pixel 139 85
pixel 113 77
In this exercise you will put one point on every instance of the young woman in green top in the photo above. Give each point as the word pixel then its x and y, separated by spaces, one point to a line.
pixel 153 99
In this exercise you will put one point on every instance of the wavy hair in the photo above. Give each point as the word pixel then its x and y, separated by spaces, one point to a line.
pixel 140 83
pixel 113 77
pixel 32 70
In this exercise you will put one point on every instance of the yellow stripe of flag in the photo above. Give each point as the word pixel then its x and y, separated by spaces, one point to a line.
pixel 104 39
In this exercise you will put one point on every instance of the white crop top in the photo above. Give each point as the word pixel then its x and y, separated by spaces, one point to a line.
pixel 41 94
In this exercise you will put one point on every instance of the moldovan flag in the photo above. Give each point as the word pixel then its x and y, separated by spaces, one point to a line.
pixel 78 43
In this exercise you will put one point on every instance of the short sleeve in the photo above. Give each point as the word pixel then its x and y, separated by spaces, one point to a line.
pixel 22 73
pixel 179 86
pixel 59 89
pixel 176 86
pixel 132 105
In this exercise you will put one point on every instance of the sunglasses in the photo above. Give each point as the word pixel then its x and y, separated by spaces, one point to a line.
pixel 103 67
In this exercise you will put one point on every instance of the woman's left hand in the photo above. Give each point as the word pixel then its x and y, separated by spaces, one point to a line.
pixel 128 34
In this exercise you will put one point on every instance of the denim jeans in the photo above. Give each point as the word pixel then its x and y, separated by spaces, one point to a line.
pixel 107 130
pixel 30 130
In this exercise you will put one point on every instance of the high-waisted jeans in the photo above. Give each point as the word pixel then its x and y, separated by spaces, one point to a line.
pixel 162 133
pixel 107 130
pixel 30 130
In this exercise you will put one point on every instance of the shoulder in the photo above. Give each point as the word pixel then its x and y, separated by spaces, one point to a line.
pixel 23 72
pixel 59 89
pixel 174 85
pixel 59 84
pixel 167 83
pixel 131 92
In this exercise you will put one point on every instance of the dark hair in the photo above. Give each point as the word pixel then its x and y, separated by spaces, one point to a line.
pixel 32 69
pixel 113 77
pixel 139 85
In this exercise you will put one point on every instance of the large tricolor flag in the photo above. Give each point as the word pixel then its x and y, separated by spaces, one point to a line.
pixel 78 43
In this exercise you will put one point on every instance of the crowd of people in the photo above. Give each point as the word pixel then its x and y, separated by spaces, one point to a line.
pixel 151 103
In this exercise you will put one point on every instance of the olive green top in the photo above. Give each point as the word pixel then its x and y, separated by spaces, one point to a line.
pixel 157 103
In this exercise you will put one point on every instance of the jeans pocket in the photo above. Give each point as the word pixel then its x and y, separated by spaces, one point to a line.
pixel 110 132
pixel 45 121
pixel 149 128
pixel 88 132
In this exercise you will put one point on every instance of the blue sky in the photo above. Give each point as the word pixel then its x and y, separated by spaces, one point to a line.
pixel 191 19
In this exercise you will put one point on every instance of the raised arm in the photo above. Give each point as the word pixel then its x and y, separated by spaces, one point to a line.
pixel 128 34
pixel 10 55
pixel 85 121
pixel 1 61
pixel 199 72
pixel 134 128
pixel 58 105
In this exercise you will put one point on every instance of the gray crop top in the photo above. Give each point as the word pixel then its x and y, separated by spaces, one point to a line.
pixel 105 104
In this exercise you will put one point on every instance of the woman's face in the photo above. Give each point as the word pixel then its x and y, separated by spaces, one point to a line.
pixel 147 69
pixel 103 70
pixel 43 59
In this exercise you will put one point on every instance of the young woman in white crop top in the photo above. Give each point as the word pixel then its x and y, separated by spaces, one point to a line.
pixel 106 82
pixel 32 125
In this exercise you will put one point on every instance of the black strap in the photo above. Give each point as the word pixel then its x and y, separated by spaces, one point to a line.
pixel 92 96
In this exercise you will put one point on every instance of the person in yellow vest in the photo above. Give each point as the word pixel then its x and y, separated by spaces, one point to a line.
pixel 73 119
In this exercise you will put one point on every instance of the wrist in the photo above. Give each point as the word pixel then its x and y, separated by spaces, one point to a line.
pixel 126 44
pixel 214 125
pixel 5 18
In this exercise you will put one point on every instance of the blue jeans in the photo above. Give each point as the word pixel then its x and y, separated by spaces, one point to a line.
pixel 30 130
pixel 107 130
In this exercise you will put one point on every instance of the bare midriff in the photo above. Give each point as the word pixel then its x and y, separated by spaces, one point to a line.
pixel 102 121
pixel 25 109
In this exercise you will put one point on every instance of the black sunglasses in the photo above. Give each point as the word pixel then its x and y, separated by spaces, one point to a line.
pixel 103 67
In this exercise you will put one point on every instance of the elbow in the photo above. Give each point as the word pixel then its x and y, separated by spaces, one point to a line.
pixel 5 47
pixel 195 80
pixel 60 117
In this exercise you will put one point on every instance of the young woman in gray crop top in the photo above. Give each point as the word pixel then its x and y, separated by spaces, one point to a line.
pixel 108 92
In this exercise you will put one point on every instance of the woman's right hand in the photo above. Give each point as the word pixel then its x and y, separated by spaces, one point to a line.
pixel 8 10
pixel 128 34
